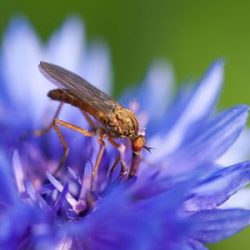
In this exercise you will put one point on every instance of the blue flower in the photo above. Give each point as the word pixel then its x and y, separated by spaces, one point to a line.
pixel 185 190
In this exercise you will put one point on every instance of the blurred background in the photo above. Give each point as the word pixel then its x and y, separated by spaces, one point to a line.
pixel 189 34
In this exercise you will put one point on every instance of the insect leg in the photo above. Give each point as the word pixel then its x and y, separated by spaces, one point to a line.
pixel 136 158
pixel 57 122
pixel 74 127
pixel 43 131
pixel 98 161
pixel 112 169
pixel 124 168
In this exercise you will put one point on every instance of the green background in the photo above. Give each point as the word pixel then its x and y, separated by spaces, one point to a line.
pixel 189 34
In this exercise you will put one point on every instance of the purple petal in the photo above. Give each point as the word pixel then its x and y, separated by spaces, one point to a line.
pixel 216 225
pixel 158 88
pixel 18 172
pixel 194 108
pixel 97 67
pixel 148 224
pixel 20 75
pixel 239 200
pixel 70 199
pixel 210 143
pixel 36 197
pixel 152 97
pixel 196 245
pixel 239 151
pixel 8 192
pixel 216 189
pixel 61 198
pixel 67 46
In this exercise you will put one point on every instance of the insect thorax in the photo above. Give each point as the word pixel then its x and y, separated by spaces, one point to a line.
pixel 122 123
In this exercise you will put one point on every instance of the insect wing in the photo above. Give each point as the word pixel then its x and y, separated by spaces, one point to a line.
pixel 79 87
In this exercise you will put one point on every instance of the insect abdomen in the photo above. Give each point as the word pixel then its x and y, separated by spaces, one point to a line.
pixel 63 96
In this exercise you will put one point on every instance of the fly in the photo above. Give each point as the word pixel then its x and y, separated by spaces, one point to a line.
pixel 115 120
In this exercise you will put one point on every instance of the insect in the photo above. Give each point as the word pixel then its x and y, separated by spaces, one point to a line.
pixel 115 120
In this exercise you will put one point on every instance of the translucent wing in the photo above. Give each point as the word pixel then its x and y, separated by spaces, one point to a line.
pixel 94 98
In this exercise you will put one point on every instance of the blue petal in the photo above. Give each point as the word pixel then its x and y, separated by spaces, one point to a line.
pixel 93 62
pixel 17 223
pixel 153 96
pixel 8 193
pixel 241 199
pixel 20 70
pixel 210 142
pixel 97 67
pixel 128 223
pixel 216 189
pixel 216 225
pixel 239 152
pixel 67 45
pixel 196 245
pixel 191 110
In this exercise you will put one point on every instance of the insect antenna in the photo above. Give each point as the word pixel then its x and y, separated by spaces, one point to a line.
pixel 148 148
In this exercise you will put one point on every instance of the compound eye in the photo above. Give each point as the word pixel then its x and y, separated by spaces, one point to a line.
pixel 138 143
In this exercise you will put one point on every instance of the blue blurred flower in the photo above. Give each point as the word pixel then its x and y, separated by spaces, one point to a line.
pixel 181 198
